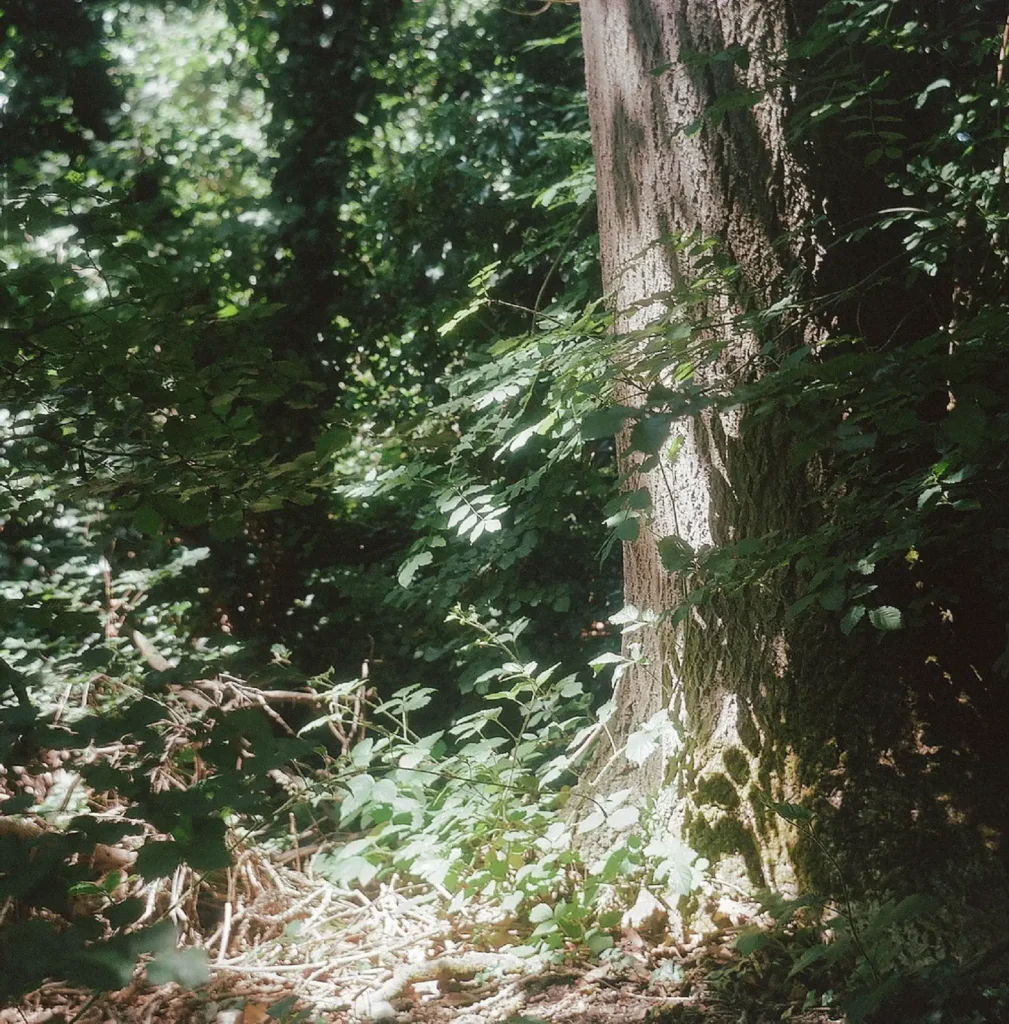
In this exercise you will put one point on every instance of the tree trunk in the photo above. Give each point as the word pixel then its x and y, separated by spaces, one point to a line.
pixel 737 183
pixel 765 708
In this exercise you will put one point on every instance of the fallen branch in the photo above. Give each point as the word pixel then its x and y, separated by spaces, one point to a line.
pixel 377 1005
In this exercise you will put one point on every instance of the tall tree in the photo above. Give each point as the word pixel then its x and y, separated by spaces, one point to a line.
pixel 736 182
pixel 703 176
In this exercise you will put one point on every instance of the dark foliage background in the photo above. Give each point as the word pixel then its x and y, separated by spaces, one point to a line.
pixel 302 348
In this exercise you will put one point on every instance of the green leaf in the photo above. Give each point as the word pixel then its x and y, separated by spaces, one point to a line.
pixel 929 496
pixel 822 951
pixel 86 889
pixel 208 848
pixel 158 859
pixel 541 912
pixel 641 744
pixel 596 819
pixel 886 618
pixel 185 967
pixel 851 618
pixel 649 434
pixel 606 422
pixel 102 968
pixel 624 817
pixel 639 500
pixel 129 910
pixel 629 530
pixel 463 314
pixel 147 521
pixel 792 812
pixel 409 568
pixel 749 942
pixel 676 554
pixel 966 424
pixel 226 527
pixel 283 1007
pixel 332 441
pixel 939 83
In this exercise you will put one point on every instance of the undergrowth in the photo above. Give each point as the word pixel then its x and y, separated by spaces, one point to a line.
pixel 482 810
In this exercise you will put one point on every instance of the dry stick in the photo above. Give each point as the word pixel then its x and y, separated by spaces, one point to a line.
pixel 327 898
pixel 152 896
pixel 261 701
pixel 294 840
pixel 524 309
pixel 65 802
pixel 297 853
pixel 62 706
pixel 84 1009
pixel 275 969
pixel 343 961
pixel 268 869
pixel 222 950
pixel 540 10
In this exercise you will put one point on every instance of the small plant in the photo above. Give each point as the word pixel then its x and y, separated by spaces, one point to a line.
pixel 473 810
pixel 478 810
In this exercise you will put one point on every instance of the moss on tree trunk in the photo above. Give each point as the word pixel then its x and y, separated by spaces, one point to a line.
pixel 768 708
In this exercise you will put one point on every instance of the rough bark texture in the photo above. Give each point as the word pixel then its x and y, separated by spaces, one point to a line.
pixel 767 709
pixel 735 182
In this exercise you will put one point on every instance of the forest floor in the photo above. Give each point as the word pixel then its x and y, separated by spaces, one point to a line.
pixel 287 948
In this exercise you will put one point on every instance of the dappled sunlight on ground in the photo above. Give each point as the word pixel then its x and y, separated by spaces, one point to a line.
pixel 284 946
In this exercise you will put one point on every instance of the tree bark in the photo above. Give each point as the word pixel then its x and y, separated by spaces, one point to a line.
pixel 735 182
pixel 766 709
